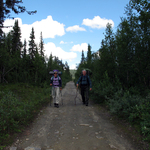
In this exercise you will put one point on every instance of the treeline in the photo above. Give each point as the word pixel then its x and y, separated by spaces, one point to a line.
pixel 121 67
pixel 24 75
pixel 26 62
pixel 24 81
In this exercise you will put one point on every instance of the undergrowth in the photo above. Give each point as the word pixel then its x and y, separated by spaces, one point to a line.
pixel 19 104
pixel 128 104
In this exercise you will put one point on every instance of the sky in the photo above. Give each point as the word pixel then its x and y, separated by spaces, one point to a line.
pixel 69 26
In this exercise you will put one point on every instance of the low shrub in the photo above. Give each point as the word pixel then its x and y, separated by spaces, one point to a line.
pixel 133 108
pixel 18 106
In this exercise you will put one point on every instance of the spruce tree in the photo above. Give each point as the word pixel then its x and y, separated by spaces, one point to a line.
pixel 50 62
pixel 108 53
pixel 89 57
pixel 41 46
pixel 32 45
pixel 82 57
pixel 16 41
pixel 24 49
pixel 16 50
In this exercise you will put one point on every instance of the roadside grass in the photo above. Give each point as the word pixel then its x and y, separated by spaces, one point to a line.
pixel 125 128
pixel 19 104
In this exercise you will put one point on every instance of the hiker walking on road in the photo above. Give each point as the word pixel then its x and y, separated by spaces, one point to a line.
pixel 56 87
pixel 85 83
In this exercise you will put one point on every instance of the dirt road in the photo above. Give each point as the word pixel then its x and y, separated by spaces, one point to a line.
pixel 72 127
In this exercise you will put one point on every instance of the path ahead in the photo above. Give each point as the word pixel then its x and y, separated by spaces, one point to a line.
pixel 72 127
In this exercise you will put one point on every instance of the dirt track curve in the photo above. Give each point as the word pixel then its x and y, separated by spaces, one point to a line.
pixel 71 127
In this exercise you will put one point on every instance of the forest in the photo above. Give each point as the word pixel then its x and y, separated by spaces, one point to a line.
pixel 121 68
pixel 25 79
pixel 120 71
pixel 24 76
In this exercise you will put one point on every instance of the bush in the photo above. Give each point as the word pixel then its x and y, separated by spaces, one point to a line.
pixel 133 108
pixel 17 110
pixel 103 89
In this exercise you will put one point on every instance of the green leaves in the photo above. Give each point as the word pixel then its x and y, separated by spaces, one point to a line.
pixel 17 110
pixel 120 74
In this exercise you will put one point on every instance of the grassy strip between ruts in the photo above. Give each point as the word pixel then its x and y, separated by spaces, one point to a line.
pixel 19 104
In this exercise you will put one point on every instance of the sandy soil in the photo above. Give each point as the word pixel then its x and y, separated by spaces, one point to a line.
pixel 72 127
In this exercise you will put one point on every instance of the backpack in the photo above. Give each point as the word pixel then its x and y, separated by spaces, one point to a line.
pixel 57 77
pixel 52 73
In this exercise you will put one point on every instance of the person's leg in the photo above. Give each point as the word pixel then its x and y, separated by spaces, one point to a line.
pixel 54 95
pixel 82 94
pixel 87 96
pixel 57 96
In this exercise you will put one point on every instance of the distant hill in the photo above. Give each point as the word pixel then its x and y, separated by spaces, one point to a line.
pixel 73 73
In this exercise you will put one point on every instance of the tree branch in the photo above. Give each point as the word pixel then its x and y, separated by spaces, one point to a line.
pixel 5 26
pixel 8 71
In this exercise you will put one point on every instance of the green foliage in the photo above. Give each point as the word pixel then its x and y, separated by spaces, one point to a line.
pixel 41 45
pixel 28 65
pixel 32 45
pixel 82 57
pixel 18 105
pixel 121 69
pixel 134 108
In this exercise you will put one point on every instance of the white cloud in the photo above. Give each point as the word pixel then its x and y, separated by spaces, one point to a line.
pixel 75 28
pixel 59 52
pixel 73 67
pixel 79 48
pixel 97 22
pixel 49 28
pixel 62 42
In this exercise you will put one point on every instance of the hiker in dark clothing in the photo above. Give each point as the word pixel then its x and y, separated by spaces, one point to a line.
pixel 85 83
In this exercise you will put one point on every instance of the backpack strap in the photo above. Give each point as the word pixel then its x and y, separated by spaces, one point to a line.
pixel 87 78
pixel 52 78
pixel 57 77
pixel 81 78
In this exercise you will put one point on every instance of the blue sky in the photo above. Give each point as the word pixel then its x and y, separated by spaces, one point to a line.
pixel 69 26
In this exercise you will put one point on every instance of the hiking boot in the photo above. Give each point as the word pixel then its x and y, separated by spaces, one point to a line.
pixel 83 102
pixel 57 105
pixel 86 104
pixel 54 104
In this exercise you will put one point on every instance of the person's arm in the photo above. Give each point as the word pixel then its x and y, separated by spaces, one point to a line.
pixel 78 81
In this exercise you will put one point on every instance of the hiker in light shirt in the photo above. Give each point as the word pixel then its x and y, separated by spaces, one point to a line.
pixel 56 87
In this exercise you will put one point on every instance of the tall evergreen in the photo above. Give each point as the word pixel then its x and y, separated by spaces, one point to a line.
pixel 16 40
pixel 125 54
pixel 89 54
pixel 16 49
pixel 82 57
pixel 32 45
pixel 24 53
pixel 50 62
pixel 2 12
pixel 108 53
pixel 41 45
